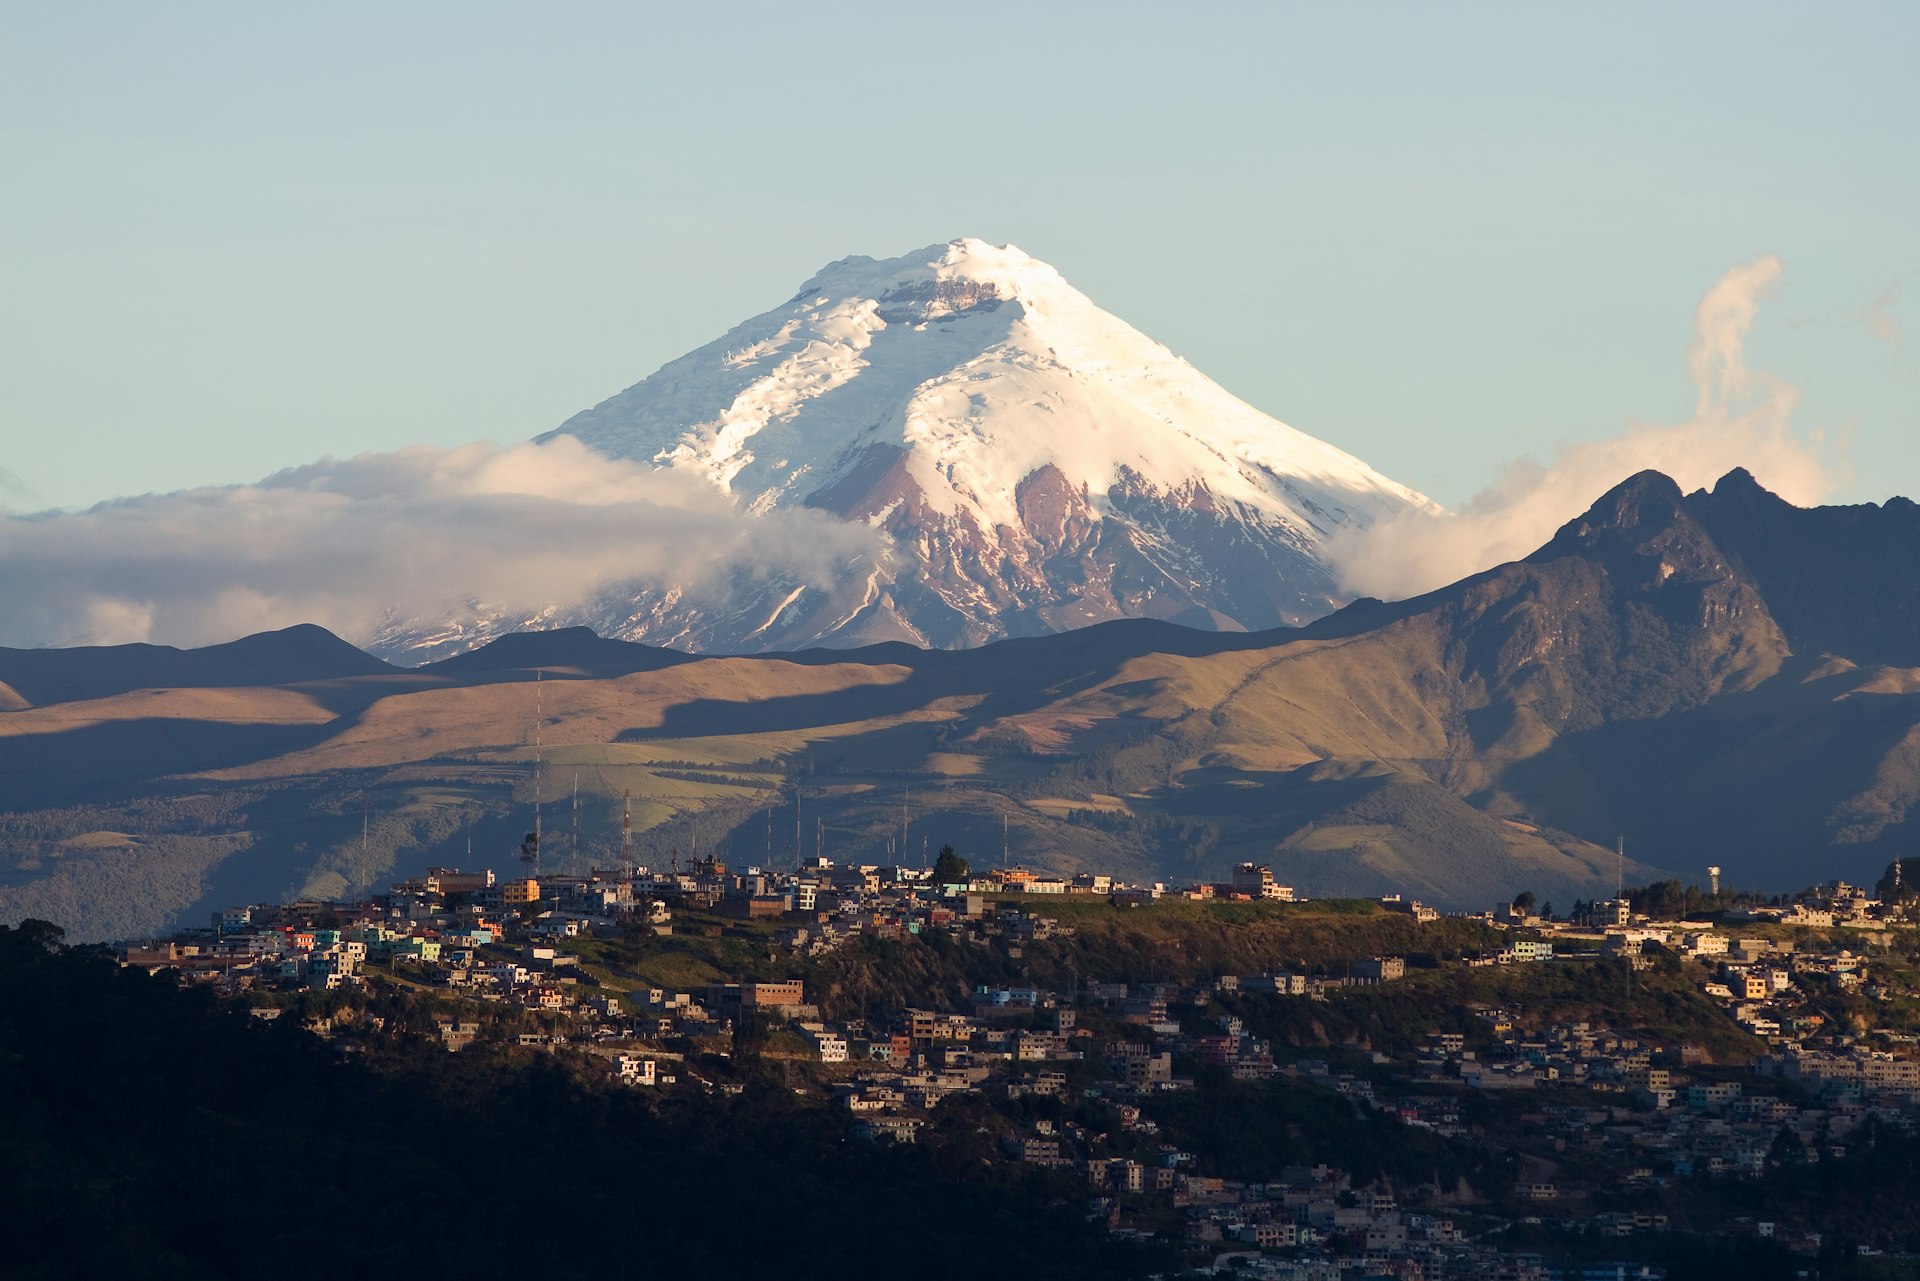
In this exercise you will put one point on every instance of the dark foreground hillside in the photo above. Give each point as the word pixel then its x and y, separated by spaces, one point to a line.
pixel 150 1131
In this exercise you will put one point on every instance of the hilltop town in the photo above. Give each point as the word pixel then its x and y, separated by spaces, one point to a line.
pixel 1420 1096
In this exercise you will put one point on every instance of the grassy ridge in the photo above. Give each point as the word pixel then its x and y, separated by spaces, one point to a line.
pixel 1183 941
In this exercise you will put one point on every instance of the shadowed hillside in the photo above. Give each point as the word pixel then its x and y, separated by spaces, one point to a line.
pixel 295 654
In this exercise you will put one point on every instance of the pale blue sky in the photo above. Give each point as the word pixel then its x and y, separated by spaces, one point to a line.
pixel 237 237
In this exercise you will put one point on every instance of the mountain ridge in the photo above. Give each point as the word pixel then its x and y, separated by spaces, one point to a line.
pixel 1629 680
pixel 304 651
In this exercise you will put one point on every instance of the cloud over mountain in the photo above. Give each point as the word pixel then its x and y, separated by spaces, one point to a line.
pixel 1743 418
pixel 348 543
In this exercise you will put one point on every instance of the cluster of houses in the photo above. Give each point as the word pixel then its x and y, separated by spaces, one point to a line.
pixel 1115 1046
pixel 463 930
pixel 1775 983
pixel 477 934
pixel 1328 1230
pixel 1676 1117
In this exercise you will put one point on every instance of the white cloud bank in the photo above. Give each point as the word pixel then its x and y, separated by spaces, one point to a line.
pixel 1743 418
pixel 422 532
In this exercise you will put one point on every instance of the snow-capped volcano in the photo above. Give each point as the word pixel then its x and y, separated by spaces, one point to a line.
pixel 1033 463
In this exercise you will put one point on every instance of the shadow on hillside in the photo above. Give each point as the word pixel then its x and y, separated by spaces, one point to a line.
pixel 1756 781
pixel 102 762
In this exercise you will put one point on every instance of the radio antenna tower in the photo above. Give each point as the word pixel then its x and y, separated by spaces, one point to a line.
pixel 626 836
pixel 1006 838
pixel 539 715
pixel 1620 876
pixel 574 855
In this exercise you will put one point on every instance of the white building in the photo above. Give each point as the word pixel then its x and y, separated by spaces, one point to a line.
pixel 629 1069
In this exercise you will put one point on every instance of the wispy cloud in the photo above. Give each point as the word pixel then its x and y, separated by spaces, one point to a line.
pixel 1742 418
pixel 1880 320
pixel 15 493
pixel 346 543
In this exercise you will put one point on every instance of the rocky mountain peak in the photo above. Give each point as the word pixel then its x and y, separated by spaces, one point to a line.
pixel 1643 532
pixel 1818 566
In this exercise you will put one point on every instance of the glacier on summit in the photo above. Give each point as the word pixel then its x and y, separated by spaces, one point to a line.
pixel 1030 462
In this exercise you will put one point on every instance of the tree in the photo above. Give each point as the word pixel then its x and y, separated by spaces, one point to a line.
pixel 950 868
pixel 1785 1150
pixel 1523 902
pixel 42 934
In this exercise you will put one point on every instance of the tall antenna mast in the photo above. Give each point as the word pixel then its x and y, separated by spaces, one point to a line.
pixel 1620 877
pixel 799 849
pixel 626 837
pixel 539 715
pixel 574 855
pixel 1006 838
pixel 366 816
pixel 906 800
